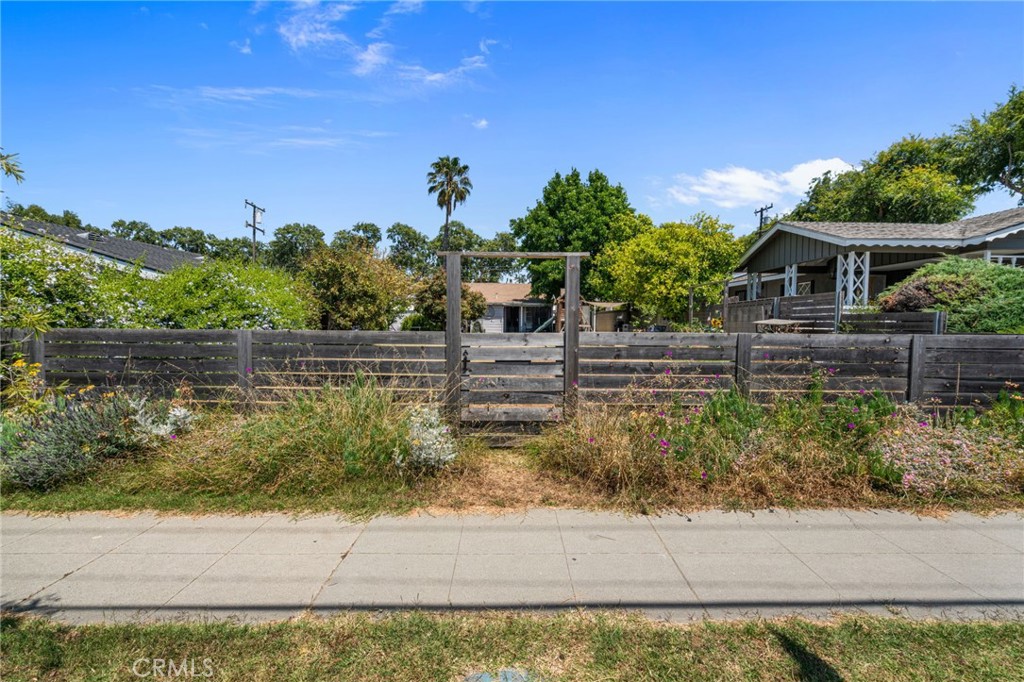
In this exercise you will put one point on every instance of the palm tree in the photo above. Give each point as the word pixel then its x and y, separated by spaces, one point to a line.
pixel 449 180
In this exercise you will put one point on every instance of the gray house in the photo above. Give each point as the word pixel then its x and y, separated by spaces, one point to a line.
pixel 122 253
pixel 510 308
pixel 859 260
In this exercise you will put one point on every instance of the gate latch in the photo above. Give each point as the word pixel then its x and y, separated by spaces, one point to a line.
pixel 465 362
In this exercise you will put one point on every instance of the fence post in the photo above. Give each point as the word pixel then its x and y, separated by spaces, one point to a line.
pixel 453 339
pixel 243 343
pixel 744 345
pixel 35 349
pixel 940 323
pixel 915 368
pixel 571 357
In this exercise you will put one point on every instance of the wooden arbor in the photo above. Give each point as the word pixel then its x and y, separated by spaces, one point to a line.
pixel 453 327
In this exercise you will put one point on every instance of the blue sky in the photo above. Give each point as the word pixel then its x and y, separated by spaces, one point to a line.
pixel 331 113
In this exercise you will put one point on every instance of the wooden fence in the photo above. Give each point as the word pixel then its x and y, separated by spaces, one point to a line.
pixel 529 376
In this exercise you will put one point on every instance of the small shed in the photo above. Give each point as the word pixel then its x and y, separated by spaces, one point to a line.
pixel 510 307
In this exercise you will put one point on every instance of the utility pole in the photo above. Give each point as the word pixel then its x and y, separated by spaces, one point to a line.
pixel 760 215
pixel 257 218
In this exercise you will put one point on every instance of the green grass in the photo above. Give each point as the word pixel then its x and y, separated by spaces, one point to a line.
pixel 572 646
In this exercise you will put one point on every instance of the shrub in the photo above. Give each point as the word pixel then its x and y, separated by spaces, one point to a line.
pixel 227 295
pixel 314 442
pixel 354 289
pixel 80 430
pixel 978 297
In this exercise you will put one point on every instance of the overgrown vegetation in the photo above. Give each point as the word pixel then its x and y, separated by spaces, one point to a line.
pixel 572 646
pixel 42 280
pixel 723 449
pixel 977 297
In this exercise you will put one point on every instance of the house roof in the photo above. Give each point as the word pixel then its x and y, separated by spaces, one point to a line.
pixel 152 257
pixel 504 292
pixel 956 234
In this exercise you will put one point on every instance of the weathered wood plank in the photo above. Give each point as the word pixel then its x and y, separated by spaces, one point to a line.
pixel 299 366
pixel 141 350
pixel 759 383
pixel 656 382
pixel 511 398
pixel 805 368
pixel 312 380
pixel 528 353
pixel 974 356
pixel 660 339
pixel 510 369
pixel 504 340
pixel 656 367
pixel 142 335
pixel 346 351
pixel 770 341
pixel 349 338
pixel 1012 371
pixel 677 354
pixel 512 414
pixel 964 385
pixel 832 356
pixel 529 384
pixel 167 365
pixel 978 341
pixel 743 362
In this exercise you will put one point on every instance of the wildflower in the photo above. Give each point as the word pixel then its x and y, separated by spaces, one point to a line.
pixel 924 423
pixel 668 354
pixel 174 437
pixel 248 370
pixel 668 370
pixel 653 436
pixel 856 410
pixel 663 443
pixel 851 425
pixel 18 363
pixel 862 391
pixel 703 475
pixel 591 440
pixel 661 413
pixel 575 383
pixel 765 356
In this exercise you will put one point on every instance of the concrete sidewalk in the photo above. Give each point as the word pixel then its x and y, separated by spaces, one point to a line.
pixel 96 567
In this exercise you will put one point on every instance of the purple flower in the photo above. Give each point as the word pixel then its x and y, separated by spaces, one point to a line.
pixel 590 440
pixel 765 356
pixel 174 437
pixel 653 436
pixel 248 370
pixel 851 425
pixel 668 370
pixel 703 475
pixel 661 413
pixel 663 443
pixel 856 410
pixel 575 383
pixel 862 391
pixel 922 423
pixel 668 354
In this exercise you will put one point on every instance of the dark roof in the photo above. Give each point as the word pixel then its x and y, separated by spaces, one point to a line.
pixel 152 257
pixel 957 234
pixel 961 229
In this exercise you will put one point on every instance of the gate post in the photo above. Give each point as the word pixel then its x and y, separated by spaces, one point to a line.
pixel 453 339
pixel 571 358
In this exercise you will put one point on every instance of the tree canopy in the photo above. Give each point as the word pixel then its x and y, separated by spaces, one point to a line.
pixel 990 149
pixel 354 289
pixel 573 214
pixel 362 235
pixel 449 180
pixel 658 267
pixel 293 244
pixel 431 303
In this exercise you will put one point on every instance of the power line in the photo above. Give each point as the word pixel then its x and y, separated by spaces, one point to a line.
pixel 257 218
pixel 760 214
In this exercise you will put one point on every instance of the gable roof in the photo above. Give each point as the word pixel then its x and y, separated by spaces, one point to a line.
pixel 127 251
pixel 956 234
pixel 503 292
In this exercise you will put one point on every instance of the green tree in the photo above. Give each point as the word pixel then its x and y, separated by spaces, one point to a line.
pixel 11 167
pixel 136 230
pixel 233 248
pixel 354 289
pixel 362 235
pixel 66 218
pixel 410 251
pixel 188 239
pixel 292 244
pixel 449 180
pixel 573 215
pixel 431 303
pixel 913 181
pixel 657 269
pixel 990 149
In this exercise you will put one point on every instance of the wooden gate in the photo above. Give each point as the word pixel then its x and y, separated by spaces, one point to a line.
pixel 512 378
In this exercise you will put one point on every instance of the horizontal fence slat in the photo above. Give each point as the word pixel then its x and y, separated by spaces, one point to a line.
pixel 830 356
pixel 348 338
pixel 511 414
pixel 515 369
pixel 829 341
pixel 319 366
pixel 511 398
pixel 510 339
pixel 656 367
pixel 806 368
pixel 1005 372
pixel 141 350
pixel 142 335
pixel 364 351
pixel 167 365
pixel 538 384
pixel 975 356
pixel 977 341
pixel 512 353
pixel 660 339
pixel 655 353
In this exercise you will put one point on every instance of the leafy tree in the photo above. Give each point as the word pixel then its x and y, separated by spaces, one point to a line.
pixel 11 167
pixel 573 215
pixel 657 268
pixel 233 248
pixel 38 213
pixel 449 180
pixel 137 231
pixel 293 243
pixel 410 251
pixel 362 235
pixel 185 239
pixel 990 149
pixel 354 289
pixel 431 303
pixel 913 181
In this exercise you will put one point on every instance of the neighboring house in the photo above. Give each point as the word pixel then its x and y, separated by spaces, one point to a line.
pixel 859 260
pixel 121 253
pixel 510 308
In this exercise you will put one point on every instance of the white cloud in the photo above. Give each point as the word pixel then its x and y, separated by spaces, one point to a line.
pixel 243 48
pixel 313 25
pixel 735 186
pixel 375 56
pixel 481 124
pixel 203 25
pixel 485 45
pixel 442 78
pixel 243 94
pixel 405 7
